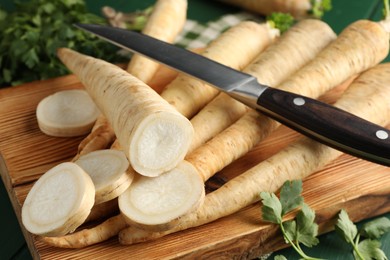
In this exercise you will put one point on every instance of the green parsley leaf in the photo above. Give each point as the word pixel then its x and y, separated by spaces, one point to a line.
pixel 345 227
pixel 375 228
pixel 307 229
pixel 280 257
pixel 272 209
pixel 290 230
pixel 290 195
pixel 30 36
pixel 370 249
pixel 281 21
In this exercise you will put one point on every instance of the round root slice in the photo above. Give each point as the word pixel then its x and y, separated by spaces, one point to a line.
pixel 67 113
pixel 157 203
pixel 159 142
pixel 59 201
pixel 109 172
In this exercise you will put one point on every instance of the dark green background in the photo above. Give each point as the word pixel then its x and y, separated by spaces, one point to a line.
pixel 12 243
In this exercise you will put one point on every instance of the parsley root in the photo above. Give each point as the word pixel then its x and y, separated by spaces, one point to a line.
pixel 164 23
pixel 153 135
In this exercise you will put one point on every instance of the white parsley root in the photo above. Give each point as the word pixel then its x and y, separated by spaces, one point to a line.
pixel 108 170
pixel 154 136
pixel 156 203
pixel 67 113
pixel 59 201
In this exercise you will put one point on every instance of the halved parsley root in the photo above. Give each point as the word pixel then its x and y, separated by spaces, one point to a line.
pixel 109 172
pixel 59 201
pixel 165 23
pixel 67 113
pixel 367 97
pixel 153 135
pixel 297 8
pixel 235 48
pixel 158 202
pixel 270 67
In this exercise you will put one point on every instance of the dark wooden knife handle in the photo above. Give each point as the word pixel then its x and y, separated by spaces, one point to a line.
pixel 328 124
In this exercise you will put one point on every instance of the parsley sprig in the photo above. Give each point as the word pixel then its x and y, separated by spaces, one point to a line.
pixel 368 248
pixel 303 230
pixel 30 36
pixel 300 230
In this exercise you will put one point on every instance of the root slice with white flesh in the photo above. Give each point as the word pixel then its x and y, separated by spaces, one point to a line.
pixel 108 170
pixel 59 201
pixel 156 203
pixel 67 113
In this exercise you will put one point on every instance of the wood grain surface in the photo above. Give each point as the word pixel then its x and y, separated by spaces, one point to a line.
pixel 360 187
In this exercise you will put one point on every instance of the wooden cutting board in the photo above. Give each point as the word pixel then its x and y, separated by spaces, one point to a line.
pixel 360 187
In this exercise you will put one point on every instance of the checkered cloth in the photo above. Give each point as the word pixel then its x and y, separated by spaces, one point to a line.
pixel 197 35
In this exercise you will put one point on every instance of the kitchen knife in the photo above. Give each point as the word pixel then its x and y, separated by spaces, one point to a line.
pixel 322 122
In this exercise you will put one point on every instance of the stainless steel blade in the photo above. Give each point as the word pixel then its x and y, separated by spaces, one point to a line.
pixel 224 78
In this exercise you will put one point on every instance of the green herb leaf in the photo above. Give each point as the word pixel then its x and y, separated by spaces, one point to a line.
pixel 345 227
pixel 370 249
pixel 290 230
pixel 280 257
pixel 272 209
pixel 375 228
pixel 319 7
pixel 281 21
pixel 30 36
pixel 307 229
pixel 290 195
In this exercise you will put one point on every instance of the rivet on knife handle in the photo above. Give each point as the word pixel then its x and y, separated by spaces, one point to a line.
pixel 328 124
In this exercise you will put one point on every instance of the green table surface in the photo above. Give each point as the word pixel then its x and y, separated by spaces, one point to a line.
pixel 12 242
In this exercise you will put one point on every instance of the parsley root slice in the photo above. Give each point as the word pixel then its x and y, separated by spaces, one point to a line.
pixel 165 23
pixel 235 48
pixel 67 113
pixel 301 43
pixel 108 170
pixel 367 97
pixel 157 203
pixel 59 201
pixel 153 135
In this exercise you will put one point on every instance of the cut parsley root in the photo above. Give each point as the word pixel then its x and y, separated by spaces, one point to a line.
pixel 59 201
pixel 165 23
pixel 366 97
pixel 67 113
pixel 153 135
pixel 157 203
pixel 235 48
pixel 109 172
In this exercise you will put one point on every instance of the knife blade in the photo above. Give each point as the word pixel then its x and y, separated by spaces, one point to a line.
pixel 317 120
